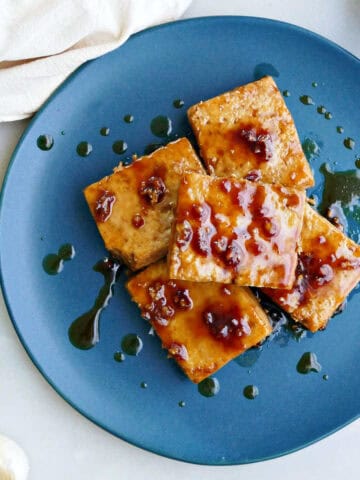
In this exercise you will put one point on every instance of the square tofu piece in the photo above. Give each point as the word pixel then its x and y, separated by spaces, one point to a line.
pixel 235 231
pixel 328 269
pixel 249 133
pixel 203 326
pixel 134 207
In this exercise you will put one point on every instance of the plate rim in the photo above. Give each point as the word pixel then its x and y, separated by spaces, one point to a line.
pixel 13 157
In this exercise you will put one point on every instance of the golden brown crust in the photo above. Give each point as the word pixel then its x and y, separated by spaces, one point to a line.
pixel 328 269
pixel 140 200
pixel 235 231
pixel 199 347
pixel 250 131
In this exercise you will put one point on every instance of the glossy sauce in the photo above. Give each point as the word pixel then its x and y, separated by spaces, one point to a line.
pixel 165 298
pixel 105 131
pixel 128 118
pixel 203 230
pixel 257 140
pixel 226 322
pixel 341 192
pixel 251 392
pixel 119 147
pixel 312 273
pixel 119 357
pixel 152 190
pixel 311 148
pixel 138 221
pixel 54 263
pixel 263 69
pixel 161 126
pixel 45 142
pixel 349 143
pixel 209 387
pixel 84 331
pixel 308 363
pixel 84 149
pixel 151 147
pixel 306 100
pixel 132 344
pixel 178 103
pixel 104 205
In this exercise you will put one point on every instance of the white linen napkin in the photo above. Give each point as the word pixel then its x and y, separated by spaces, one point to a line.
pixel 43 41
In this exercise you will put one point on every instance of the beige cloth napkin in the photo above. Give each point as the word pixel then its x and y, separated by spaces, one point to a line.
pixel 43 41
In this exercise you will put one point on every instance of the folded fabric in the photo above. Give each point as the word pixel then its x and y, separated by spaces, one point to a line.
pixel 43 41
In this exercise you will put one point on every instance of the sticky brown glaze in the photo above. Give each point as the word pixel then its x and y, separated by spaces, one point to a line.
pixel 138 226
pixel 226 323
pixel 258 141
pixel 153 188
pixel 250 128
pixel 200 330
pixel 104 205
pixel 229 230
pixel 328 269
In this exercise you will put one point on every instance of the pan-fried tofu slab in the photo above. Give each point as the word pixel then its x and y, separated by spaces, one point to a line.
pixel 249 133
pixel 328 269
pixel 235 231
pixel 134 207
pixel 203 326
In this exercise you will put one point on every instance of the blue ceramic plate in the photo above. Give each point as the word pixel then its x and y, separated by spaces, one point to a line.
pixel 43 208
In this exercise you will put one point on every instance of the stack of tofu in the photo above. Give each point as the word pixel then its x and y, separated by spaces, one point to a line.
pixel 202 237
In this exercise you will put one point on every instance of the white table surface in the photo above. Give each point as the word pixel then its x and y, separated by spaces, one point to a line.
pixel 60 443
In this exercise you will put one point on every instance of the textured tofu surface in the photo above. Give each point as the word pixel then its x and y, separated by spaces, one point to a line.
pixel 328 269
pixel 249 132
pixel 203 326
pixel 134 207
pixel 235 231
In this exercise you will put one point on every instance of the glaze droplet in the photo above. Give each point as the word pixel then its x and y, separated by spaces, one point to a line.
pixel 349 143
pixel 119 147
pixel 310 148
pixel 178 103
pixel 161 126
pixel 84 149
pixel 308 363
pixel 306 100
pixel 251 392
pixel 84 332
pixel 104 131
pixel 45 142
pixel 54 263
pixel 131 344
pixel 128 118
pixel 209 387
pixel 119 357
pixel 263 69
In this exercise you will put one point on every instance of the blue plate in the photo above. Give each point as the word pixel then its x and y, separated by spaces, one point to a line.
pixel 43 208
